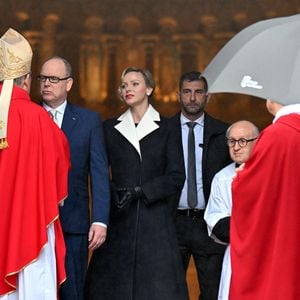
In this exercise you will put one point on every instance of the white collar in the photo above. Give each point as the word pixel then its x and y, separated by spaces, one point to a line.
pixel 184 119
pixel 286 110
pixel 135 133
pixel 61 108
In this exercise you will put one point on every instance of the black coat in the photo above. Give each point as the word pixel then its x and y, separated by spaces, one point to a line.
pixel 140 259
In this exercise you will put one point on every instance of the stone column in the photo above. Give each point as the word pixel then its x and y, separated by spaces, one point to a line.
pixel 167 66
pixel 49 37
pixel 91 66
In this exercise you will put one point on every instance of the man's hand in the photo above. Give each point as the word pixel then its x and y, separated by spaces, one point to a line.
pixel 97 236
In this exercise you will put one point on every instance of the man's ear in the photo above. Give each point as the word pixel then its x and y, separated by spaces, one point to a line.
pixel 273 106
pixel 178 96
pixel 69 84
pixel 208 96
pixel 27 83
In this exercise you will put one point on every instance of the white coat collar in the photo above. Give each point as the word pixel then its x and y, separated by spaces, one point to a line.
pixel 286 110
pixel 135 133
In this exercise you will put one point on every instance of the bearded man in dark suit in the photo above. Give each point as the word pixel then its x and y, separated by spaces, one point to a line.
pixel 211 154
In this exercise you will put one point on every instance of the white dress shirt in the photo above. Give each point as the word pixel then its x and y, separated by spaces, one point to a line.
pixel 59 112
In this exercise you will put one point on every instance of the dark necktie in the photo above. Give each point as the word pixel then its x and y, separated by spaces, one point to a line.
pixel 191 168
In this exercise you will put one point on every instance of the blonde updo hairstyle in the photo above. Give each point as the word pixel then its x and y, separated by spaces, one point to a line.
pixel 150 83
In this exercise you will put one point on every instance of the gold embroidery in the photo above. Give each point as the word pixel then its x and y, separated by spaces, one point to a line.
pixel 13 71
pixel 13 58
pixel 15 55
pixel 3 143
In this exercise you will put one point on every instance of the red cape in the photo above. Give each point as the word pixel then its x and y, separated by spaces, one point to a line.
pixel 33 177
pixel 265 222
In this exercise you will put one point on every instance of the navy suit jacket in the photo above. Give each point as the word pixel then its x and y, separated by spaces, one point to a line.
pixel 84 131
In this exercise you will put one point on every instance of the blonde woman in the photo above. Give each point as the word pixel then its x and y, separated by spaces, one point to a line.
pixel 140 259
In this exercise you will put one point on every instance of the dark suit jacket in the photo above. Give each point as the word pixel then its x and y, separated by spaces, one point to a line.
pixel 83 129
pixel 215 156
pixel 215 150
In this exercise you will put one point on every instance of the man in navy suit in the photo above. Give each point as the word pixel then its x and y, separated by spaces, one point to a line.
pixel 83 129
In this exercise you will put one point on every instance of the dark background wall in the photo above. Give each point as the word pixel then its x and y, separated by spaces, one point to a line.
pixel 169 37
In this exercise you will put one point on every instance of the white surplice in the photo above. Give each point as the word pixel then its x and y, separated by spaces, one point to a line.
pixel 38 281
pixel 218 207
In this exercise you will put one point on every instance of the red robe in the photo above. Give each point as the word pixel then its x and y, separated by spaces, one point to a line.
pixel 33 180
pixel 265 222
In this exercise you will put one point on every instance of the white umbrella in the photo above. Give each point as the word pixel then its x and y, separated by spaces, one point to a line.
pixel 262 60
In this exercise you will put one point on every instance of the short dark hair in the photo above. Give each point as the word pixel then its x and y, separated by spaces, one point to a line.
pixel 193 76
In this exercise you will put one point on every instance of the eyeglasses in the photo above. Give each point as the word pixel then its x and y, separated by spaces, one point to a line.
pixel 242 142
pixel 52 79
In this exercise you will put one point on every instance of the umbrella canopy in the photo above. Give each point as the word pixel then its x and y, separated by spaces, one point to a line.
pixel 262 60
